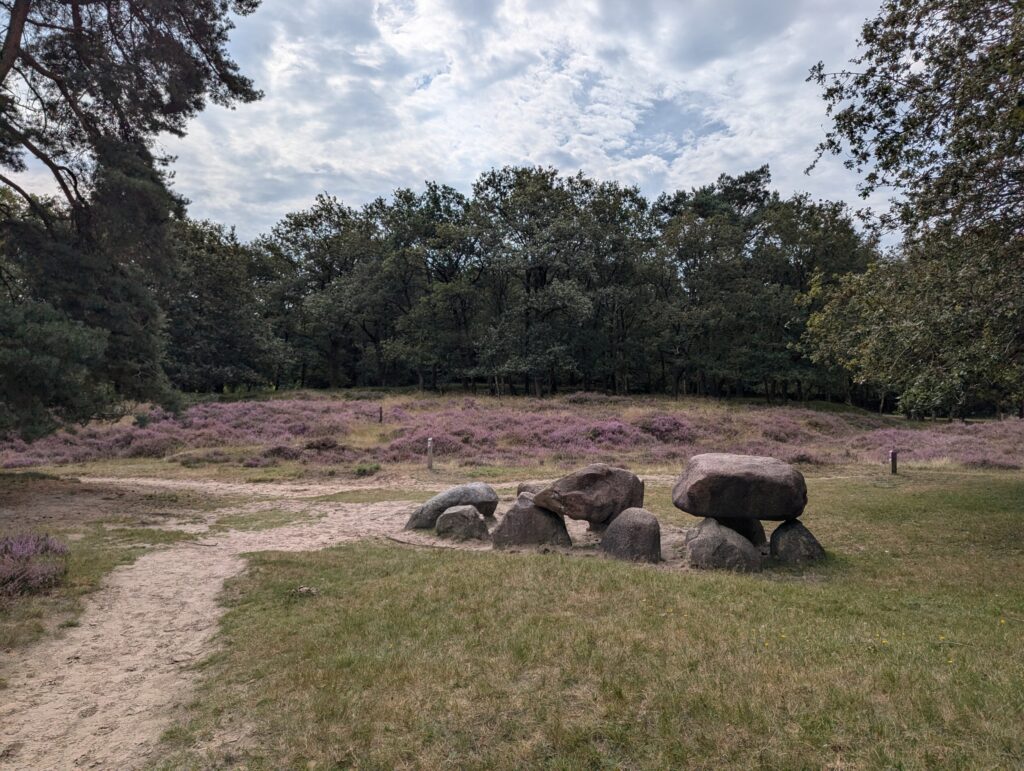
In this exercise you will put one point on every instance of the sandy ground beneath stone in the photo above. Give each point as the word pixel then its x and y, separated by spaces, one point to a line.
pixel 100 695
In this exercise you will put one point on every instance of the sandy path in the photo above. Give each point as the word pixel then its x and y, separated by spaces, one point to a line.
pixel 100 695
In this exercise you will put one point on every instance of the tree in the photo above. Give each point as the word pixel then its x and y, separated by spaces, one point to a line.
pixel 86 86
pixel 217 335
pixel 940 327
pixel 934 110
pixel 527 221
pixel 84 80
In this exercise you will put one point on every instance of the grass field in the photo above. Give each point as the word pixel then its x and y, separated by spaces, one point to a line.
pixel 903 650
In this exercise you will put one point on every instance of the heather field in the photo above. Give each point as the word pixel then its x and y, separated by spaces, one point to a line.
pixel 315 435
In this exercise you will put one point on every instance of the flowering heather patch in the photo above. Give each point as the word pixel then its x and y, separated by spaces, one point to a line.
pixel 572 429
pixel 31 563
pixel 257 423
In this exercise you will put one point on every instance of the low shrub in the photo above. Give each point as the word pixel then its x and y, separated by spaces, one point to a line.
pixel 31 563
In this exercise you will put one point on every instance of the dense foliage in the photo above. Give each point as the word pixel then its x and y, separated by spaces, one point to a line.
pixel 85 88
pixel 934 110
pixel 532 282
pixel 537 282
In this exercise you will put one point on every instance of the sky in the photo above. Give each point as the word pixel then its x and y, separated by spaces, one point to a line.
pixel 363 97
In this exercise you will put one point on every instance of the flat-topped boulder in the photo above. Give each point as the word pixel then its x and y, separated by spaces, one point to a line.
pixel 633 535
pixel 597 494
pixel 726 486
pixel 476 494
pixel 527 524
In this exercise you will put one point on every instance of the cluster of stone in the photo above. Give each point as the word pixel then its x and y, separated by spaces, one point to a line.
pixel 734 494
pixel 459 513
pixel 610 499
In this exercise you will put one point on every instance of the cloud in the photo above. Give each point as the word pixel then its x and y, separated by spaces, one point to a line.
pixel 363 97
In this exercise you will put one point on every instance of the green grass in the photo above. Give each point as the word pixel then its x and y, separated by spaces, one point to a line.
pixel 904 649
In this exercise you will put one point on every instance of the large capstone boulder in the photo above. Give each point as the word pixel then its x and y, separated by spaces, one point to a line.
pixel 712 546
pixel 721 485
pixel 751 529
pixel 793 544
pixel 475 494
pixel 597 494
pixel 462 523
pixel 633 535
pixel 527 524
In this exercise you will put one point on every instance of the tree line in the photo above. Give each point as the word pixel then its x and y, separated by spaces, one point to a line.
pixel 533 282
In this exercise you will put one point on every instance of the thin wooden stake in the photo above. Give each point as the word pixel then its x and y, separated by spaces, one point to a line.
pixel 380 418
pixel 892 460
pixel 430 454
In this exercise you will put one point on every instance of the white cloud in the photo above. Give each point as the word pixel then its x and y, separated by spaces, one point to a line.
pixel 363 97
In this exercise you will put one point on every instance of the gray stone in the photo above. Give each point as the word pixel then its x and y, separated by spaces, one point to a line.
pixel 712 546
pixel 476 494
pixel 597 494
pixel 527 524
pixel 723 486
pixel 793 544
pixel 462 523
pixel 634 534
pixel 751 529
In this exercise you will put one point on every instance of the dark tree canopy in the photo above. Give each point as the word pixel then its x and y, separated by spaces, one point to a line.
pixel 85 88
pixel 934 111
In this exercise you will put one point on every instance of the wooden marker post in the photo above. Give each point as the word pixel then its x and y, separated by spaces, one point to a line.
pixel 430 454
pixel 380 418
pixel 892 460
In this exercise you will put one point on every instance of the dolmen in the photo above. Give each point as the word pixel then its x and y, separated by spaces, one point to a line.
pixel 609 499
pixel 459 513
pixel 734 494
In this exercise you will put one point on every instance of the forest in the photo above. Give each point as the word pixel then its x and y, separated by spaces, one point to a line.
pixel 532 282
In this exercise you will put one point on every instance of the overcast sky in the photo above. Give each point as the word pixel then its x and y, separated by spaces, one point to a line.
pixel 362 97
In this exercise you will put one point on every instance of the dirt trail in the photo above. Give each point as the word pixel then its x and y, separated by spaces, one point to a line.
pixel 101 694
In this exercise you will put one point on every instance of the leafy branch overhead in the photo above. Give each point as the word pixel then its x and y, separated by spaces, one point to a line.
pixel 933 110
